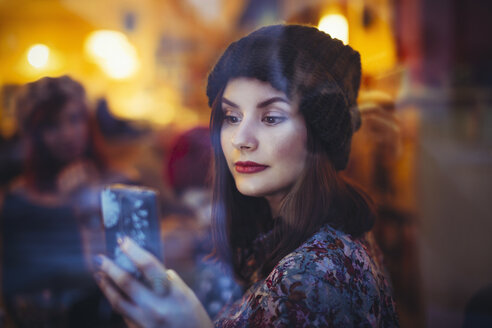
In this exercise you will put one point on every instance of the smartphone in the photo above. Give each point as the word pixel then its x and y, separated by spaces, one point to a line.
pixel 130 211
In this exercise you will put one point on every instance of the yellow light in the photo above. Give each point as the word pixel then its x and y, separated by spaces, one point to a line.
pixel 38 55
pixel 112 51
pixel 336 25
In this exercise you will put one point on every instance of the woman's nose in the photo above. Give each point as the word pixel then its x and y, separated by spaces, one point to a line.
pixel 244 137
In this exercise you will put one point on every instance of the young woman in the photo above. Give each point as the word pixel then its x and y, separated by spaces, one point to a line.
pixel 45 278
pixel 283 113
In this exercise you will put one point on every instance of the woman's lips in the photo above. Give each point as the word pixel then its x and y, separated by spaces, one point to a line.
pixel 249 167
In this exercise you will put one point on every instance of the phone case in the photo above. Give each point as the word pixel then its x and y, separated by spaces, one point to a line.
pixel 130 211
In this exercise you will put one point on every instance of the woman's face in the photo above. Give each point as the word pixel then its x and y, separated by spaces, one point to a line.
pixel 263 138
pixel 67 136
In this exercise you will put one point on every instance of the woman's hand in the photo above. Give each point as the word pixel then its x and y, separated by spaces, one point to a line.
pixel 75 176
pixel 169 304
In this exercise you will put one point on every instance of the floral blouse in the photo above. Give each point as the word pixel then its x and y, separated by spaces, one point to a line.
pixel 332 280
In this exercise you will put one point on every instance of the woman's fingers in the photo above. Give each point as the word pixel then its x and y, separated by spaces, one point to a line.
pixel 152 269
pixel 381 99
pixel 116 299
pixel 133 289
pixel 382 123
pixel 180 308
pixel 139 256
pixel 74 176
pixel 379 120
pixel 371 109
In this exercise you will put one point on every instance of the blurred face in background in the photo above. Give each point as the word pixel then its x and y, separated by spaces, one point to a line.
pixel 263 137
pixel 66 137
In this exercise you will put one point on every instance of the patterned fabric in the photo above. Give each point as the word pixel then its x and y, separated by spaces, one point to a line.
pixel 215 286
pixel 332 280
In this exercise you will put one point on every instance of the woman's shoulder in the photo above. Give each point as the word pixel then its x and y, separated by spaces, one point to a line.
pixel 330 276
pixel 328 281
pixel 329 263
pixel 323 251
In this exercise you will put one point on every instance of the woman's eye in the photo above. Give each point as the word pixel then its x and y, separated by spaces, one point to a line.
pixel 230 119
pixel 273 120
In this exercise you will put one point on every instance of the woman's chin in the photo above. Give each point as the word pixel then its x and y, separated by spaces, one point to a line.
pixel 251 191
pixel 254 190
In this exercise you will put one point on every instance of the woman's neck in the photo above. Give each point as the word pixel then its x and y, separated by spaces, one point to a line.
pixel 275 202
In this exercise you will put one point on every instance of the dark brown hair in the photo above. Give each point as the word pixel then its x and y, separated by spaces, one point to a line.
pixel 282 56
pixel 38 105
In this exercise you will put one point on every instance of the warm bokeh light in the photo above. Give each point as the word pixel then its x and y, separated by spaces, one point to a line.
pixel 158 106
pixel 112 51
pixel 372 35
pixel 336 25
pixel 38 55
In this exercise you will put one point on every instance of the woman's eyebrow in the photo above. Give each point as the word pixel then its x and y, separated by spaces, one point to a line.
pixel 228 102
pixel 262 104
pixel 270 101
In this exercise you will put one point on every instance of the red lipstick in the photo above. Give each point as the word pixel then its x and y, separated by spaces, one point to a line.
pixel 249 167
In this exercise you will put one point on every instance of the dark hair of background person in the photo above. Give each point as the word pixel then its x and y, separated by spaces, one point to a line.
pixel 38 105
pixel 288 59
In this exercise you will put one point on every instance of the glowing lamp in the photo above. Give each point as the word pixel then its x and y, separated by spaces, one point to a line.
pixel 336 25
pixel 113 53
pixel 38 55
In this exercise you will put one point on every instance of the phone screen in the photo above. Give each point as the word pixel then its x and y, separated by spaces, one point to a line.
pixel 133 212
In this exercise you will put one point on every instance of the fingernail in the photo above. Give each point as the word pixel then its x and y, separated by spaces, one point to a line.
pixel 123 242
pixel 97 260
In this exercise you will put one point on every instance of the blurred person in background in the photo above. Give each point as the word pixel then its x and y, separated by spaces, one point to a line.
pixel 188 172
pixel 49 216
pixel 284 110
pixel 187 237
pixel 378 157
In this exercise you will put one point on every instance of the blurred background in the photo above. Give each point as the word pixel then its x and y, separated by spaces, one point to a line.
pixel 144 66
